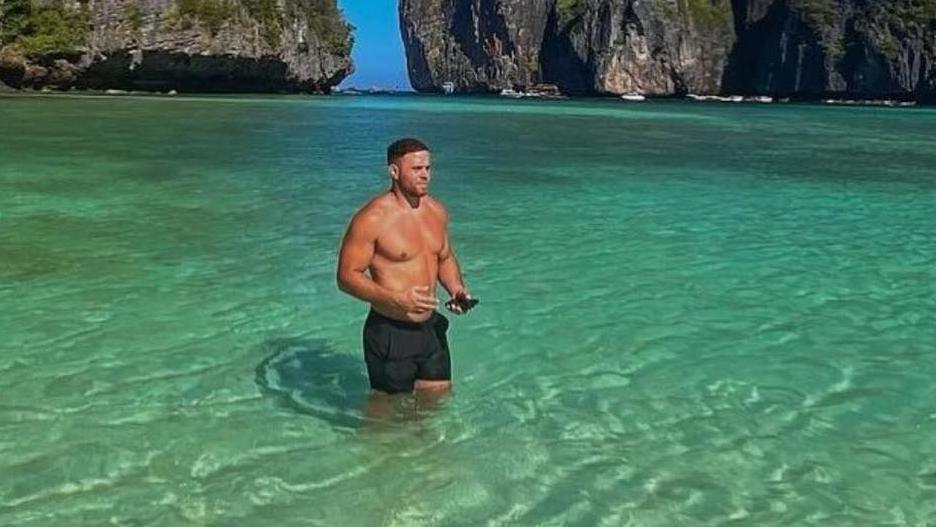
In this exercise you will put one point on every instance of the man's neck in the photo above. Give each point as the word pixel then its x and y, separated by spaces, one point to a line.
pixel 403 198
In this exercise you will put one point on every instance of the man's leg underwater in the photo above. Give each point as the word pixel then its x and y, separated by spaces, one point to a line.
pixel 424 385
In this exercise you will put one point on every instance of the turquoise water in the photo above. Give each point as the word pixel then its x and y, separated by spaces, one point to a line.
pixel 691 315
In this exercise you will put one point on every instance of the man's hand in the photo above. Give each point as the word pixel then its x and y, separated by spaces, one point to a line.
pixel 458 301
pixel 416 300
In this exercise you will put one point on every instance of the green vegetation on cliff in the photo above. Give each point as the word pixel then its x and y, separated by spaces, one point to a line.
pixel 569 12
pixel 708 15
pixel 267 12
pixel 823 17
pixel 324 19
pixel 713 21
pixel 884 23
pixel 34 27
pixel 51 27
pixel 212 14
pixel 133 16
pixel 904 15
pixel 887 22
pixel 820 13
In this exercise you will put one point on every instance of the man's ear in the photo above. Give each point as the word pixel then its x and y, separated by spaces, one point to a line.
pixel 394 171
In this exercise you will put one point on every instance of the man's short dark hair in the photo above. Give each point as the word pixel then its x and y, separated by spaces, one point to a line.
pixel 401 147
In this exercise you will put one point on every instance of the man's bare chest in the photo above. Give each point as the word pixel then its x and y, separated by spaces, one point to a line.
pixel 408 237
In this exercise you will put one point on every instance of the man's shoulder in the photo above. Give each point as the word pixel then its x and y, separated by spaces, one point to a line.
pixel 374 211
pixel 436 206
pixel 379 204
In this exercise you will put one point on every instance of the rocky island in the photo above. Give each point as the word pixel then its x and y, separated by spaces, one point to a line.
pixel 185 45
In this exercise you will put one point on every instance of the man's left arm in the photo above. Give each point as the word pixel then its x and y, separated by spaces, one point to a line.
pixel 449 272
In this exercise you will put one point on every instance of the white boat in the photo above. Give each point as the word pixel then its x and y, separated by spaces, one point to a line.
pixel 513 94
pixel 714 98
pixel 448 88
pixel 634 97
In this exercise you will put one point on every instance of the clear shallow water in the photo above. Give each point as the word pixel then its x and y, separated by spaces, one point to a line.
pixel 691 315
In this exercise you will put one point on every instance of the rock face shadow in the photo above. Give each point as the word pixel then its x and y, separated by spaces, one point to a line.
pixel 309 377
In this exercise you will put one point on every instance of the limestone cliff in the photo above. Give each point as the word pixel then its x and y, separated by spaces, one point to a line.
pixel 798 48
pixel 479 45
pixel 817 48
pixel 188 45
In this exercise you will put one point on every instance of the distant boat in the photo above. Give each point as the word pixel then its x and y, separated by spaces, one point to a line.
pixel 759 98
pixel 513 94
pixel 715 98
pixel 871 102
pixel 448 88
pixel 537 91
pixel 635 97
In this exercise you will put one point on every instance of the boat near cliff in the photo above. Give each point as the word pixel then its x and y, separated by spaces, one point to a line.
pixel 537 91
pixel 715 98
pixel 890 103
pixel 511 93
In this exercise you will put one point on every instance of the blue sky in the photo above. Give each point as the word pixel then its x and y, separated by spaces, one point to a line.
pixel 378 50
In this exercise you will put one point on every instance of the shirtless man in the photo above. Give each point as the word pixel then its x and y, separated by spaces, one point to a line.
pixel 395 249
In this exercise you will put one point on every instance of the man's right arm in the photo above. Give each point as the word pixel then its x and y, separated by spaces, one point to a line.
pixel 354 258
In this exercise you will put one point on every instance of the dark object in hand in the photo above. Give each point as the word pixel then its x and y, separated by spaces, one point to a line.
pixel 462 302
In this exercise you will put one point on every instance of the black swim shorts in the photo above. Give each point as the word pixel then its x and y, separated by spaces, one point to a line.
pixel 397 353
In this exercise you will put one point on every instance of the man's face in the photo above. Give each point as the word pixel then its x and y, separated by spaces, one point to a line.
pixel 412 173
